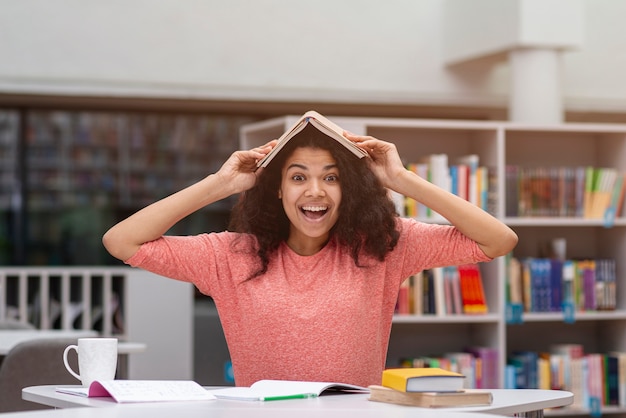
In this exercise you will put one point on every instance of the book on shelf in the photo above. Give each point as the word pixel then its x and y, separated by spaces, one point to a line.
pixel 404 304
pixel 621 376
pixel 486 360
pixel 514 280
pixel 270 390
pixel 470 163
pixel 602 184
pixel 465 178
pixel 583 192
pixel 414 209
pixel 321 123
pixel 596 379
pixel 473 296
pixel 417 292
pixel 617 198
pixel 430 399
pixel 471 363
pixel 526 366
pixel 443 291
pixel 422 379
pixel 548 284
pixel 439 291
pixel 129 391
pixel 611 380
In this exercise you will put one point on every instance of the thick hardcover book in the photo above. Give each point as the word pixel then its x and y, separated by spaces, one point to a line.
pixel 430 399
pixel 422 379
pixel 324 125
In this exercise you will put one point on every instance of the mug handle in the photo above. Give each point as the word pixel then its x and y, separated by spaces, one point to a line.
pixel 67 365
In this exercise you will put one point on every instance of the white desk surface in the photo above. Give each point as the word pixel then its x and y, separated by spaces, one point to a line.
pixel 505 402
pixel 218 409
pixel 10 338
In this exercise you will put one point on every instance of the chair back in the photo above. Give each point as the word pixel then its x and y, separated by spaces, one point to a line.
pixel 30 363
pixel 15 324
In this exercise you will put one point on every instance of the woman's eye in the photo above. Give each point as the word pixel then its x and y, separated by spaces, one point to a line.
pixel 332 178
pixel 297 177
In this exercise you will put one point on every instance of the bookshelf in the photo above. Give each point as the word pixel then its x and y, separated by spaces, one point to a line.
pixel 123 159
pixel 499 145
pixel 66 176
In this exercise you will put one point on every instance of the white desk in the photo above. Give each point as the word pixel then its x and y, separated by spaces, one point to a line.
pixel 312 408
pixel 505 402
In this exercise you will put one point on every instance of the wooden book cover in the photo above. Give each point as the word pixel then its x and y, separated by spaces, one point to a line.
pixel 320 122
pixel 430 399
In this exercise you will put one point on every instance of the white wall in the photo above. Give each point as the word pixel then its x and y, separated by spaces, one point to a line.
pixel 362 51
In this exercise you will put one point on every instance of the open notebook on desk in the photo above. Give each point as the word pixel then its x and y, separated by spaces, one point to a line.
pixel 124 391
pixel 270 390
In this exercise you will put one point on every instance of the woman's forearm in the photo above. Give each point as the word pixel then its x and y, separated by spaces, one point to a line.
pixel 494 237
pixel 124 239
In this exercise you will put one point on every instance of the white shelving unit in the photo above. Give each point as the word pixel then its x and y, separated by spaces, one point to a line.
pixel 499 144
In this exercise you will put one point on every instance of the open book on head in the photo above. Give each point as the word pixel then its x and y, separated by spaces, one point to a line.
pixel 323 124
pixel 273 390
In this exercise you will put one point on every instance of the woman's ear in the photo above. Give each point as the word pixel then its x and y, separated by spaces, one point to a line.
pixel 280 194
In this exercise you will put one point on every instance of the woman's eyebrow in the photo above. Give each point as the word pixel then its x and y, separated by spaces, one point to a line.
pixel 305 168
pixel 296 165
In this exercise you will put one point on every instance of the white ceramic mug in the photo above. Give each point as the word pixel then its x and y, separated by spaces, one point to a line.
pixel 97 359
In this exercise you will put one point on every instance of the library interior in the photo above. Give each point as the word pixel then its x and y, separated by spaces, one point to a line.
pixel 516 106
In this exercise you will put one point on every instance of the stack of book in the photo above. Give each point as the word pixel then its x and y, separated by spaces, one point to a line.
pixel 426 387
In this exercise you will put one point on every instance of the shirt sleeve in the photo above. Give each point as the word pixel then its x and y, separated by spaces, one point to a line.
pixel 212 262
pixel 176 257
pixel 424 246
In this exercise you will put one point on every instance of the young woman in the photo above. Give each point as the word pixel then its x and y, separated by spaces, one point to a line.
pixel 307 278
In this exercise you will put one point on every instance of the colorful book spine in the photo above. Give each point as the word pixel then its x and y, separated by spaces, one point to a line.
pixel 552 285
pixel 585 192
pixel 451 290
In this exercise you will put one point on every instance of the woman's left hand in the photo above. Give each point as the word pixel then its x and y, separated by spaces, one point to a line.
pixel 385 161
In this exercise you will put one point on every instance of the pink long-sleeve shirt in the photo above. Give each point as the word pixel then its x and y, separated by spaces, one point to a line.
pixel 316 318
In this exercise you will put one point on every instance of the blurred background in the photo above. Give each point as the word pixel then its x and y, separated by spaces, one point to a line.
pixel 106 107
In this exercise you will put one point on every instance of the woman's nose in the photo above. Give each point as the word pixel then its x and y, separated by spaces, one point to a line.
pixel 316 188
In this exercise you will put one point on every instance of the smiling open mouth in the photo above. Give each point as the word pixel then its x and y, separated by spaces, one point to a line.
pixel 314 212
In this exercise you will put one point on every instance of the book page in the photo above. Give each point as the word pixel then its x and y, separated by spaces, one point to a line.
pixel 265 390
pixel 286 386
pixel 142 390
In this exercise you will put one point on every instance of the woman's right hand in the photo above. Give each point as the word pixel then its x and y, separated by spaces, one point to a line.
pixel 239 173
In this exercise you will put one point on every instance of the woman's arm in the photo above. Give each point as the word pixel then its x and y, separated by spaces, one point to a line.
pixel 236 175
pixel 493 237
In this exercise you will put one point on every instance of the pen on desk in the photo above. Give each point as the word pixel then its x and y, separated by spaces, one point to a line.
pixel 285 397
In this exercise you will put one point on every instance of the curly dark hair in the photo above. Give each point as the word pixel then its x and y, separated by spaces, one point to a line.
pixel 366 214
